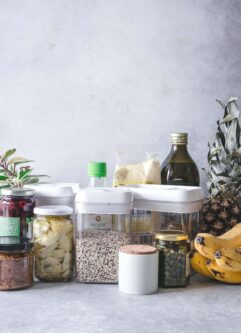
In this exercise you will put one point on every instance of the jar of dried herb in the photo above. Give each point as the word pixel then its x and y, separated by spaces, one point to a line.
pixel 174 267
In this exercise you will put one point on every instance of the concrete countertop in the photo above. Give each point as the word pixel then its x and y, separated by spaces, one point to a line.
pixel 204 306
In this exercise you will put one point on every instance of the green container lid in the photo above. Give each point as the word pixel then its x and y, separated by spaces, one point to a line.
pixel 97 169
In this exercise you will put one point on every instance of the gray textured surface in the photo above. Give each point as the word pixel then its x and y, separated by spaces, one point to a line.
pixel 79 77
pixel 204 306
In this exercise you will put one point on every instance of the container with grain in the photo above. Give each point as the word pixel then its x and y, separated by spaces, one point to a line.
pixel 102 228
pixel 53 243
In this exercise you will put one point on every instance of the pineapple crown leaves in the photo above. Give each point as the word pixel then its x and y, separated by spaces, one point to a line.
pixel 224 156
pixel 13 173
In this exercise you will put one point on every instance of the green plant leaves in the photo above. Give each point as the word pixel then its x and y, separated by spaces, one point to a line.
pixel 224 156
pixel 18 160
pixel 14 172
pixel 7 154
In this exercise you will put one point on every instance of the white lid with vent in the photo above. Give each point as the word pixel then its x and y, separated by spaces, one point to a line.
pixel 167 198
pixel 104 200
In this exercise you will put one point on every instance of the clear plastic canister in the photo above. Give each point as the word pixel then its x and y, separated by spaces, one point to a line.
pixel 102 228
pixel 53 243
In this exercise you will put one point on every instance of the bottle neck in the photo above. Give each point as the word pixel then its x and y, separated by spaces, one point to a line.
pixel 97 182
pixel 181 148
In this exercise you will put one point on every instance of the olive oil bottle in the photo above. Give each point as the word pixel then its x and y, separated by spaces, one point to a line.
pixel 179 168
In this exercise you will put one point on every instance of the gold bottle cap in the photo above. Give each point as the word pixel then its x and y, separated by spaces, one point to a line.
pixel 171 235
pixel 179 138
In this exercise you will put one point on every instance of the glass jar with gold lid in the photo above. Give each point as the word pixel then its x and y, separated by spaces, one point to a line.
pixel 174 267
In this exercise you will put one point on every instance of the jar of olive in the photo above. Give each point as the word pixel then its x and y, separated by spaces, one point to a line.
pixel 174 267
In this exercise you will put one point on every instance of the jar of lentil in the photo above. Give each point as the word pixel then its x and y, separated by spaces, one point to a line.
pixel 16 215
pixel 16 265
pixel 53 243
pixel 174 267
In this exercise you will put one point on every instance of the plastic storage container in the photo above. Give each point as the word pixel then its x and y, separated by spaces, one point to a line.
pixel 53 243
pixel 172 208
pixel 16 266
pixel 53 194
pixel 102 228
pixel 174 265
pixel 16 215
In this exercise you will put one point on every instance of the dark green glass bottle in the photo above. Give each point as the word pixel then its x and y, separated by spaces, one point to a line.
pixel 179 168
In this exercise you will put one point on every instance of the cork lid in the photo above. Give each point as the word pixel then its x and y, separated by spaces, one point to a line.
pixel 138 249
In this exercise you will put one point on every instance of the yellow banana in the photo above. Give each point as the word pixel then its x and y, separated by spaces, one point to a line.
pixel 199 264
pixel 234 254
pixel 223 275
pixel 207 244
pixel 227 263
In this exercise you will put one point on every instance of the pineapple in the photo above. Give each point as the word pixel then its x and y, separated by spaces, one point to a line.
pixel 222 210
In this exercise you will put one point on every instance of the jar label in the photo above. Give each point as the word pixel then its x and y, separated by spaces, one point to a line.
pixel 9 226
pixel 98 222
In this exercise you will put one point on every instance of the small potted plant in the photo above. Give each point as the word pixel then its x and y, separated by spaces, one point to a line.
pixel 14 172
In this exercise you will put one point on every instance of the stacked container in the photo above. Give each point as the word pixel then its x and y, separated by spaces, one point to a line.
pixel 53 231
pixel 171 207
pixel 102 228
pixel 16 222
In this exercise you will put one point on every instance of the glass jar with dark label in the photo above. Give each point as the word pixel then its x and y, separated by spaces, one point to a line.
pixel 174 267
pixel 16 215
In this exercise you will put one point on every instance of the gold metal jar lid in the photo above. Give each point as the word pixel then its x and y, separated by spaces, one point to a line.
pixel 179 138
pixel 171 235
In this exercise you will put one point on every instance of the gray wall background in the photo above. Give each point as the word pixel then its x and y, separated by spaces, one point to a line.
pixel 80 77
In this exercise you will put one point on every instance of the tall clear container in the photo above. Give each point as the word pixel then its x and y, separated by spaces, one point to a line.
pixel 102 228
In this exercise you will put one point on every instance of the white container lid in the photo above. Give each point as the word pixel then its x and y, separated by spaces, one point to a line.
pixel 53 210
pixel 167 198
pixel 52 190
pixel 104 200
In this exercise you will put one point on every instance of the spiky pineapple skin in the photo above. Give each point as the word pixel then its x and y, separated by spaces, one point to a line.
pixel 220 215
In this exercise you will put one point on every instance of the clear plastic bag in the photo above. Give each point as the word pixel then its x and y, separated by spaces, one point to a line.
pixel 136 168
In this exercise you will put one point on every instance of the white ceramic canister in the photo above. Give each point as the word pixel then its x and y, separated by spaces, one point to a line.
pixel 138 269
pixel 53 194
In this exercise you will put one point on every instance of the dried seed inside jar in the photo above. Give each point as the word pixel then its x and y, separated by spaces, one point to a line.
pixel 97 255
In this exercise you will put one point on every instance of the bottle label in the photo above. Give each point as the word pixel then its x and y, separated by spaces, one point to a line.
pixel 98 222
pixel 9 226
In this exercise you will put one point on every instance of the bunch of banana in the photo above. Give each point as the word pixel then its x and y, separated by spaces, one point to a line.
pixel 219 257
